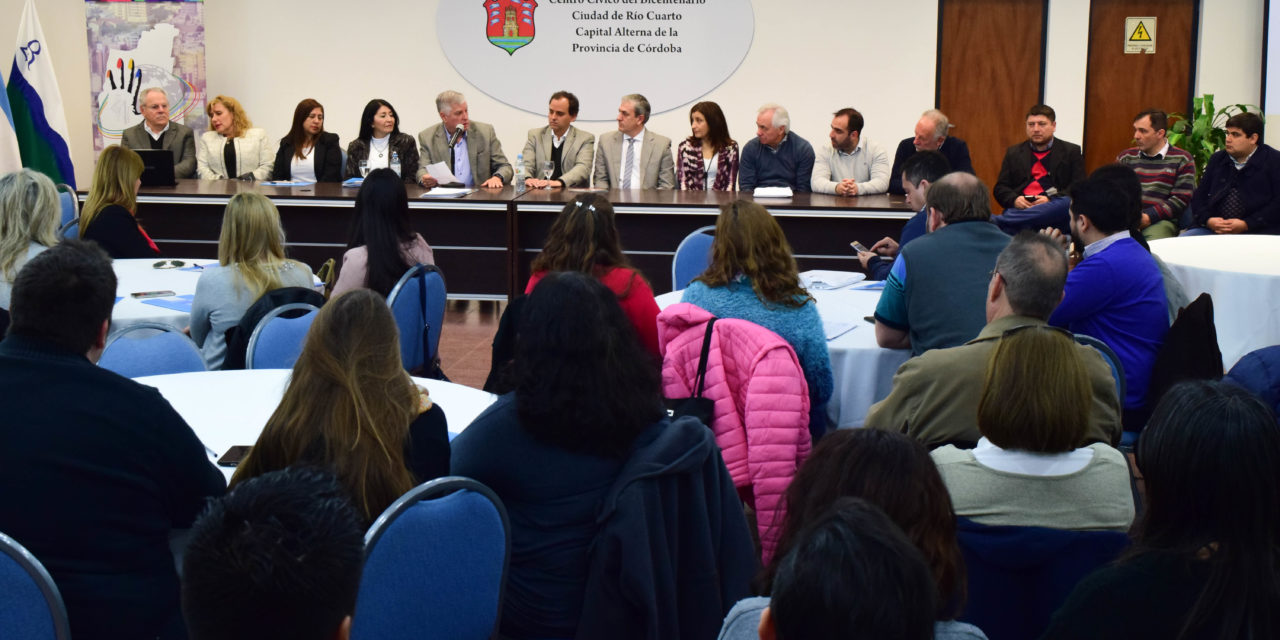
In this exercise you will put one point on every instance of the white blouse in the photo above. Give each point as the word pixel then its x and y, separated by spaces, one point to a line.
pixel 305 168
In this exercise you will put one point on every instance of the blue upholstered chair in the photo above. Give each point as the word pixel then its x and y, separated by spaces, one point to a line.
pixel 435 564
pixel 277 341
pixel 150 349
pixel 71 229
pixel 417 302
pixel 31 607
pixel 70 204
pixel 692 257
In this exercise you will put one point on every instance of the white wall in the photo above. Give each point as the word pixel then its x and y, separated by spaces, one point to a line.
pixel 813 57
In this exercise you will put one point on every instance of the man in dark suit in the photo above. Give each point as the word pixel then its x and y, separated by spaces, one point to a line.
pixel 96 470
pixel 1036 177
pixel 157 131
pixel 1240 189
pixel 932 133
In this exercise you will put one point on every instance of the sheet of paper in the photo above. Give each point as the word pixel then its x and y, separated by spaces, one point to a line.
pixel 830 280
pixel 834 330
pixel 441 173
pixel 448 192
pixel 288 183
pixel 772 192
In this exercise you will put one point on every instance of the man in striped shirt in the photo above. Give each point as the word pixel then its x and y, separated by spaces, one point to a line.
pixel 1168 174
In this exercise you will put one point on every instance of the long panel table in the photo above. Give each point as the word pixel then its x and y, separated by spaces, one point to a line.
pixel 485 241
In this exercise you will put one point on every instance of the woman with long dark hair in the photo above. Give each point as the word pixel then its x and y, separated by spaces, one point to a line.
pixel 894 473
pixel 753 277
pixel 383 245
pixel 380 141
pixel 584 238
pixel 351 408
pixel 308 152
pixel 1206 552
pixel 708 159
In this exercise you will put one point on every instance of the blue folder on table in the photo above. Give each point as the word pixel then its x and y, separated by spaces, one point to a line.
pixel 175 303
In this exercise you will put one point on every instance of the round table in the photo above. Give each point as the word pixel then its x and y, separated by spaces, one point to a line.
pixel 139 275
pixel 862 370
pixel 1242 274
pixel 228 408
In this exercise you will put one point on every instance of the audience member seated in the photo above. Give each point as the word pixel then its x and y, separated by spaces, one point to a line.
pixel 1036 176
pixel 1239 190
pixel 95 469
pixel 933 296
pixel 851 165
pixel 1031 467
pixel 383 244
pixel 475 157
pixel 776 157
pixel 278 557
pixel 351 408
pixel 1207 546
pixel 108 213
pixel 1115 293
pixel 633 157
pixel 584 238
pixel 379 142
pixel 29 215
pixel 309 152
pixel 895 474
pixel 570 150
pixel 851 574
pixel 233 148
pixel 932 133
pixel 158 131
pixel 251 262
pixel 708 159
pixel 753 277
pixel 624 523
pixel 935 396
pixel 918 172
pixel 1167 174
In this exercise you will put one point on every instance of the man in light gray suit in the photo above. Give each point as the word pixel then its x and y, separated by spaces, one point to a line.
pixel 157 131
pixel 633 157
pixel 561 143
pixel 476 157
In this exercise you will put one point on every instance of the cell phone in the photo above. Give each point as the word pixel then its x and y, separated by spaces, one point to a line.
pixel 858 246
pixel 152 294
pixel 234 455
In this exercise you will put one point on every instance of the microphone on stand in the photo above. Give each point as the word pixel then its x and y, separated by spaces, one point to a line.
pixel 457 135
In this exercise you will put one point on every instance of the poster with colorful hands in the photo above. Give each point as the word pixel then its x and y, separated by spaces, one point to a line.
pixel 135 46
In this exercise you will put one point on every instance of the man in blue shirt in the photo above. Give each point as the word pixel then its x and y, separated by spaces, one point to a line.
pixel 918 172
pixel 776 157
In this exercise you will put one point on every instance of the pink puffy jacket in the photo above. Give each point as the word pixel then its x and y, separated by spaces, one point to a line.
pixel 761 403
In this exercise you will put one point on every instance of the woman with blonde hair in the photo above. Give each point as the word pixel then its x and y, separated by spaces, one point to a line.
pixel 108 214
pixel 584 238
pixel 350 407
pixel 251 262
pixel 1031 467
pixel 29 214
pixel 753 277
pixel 233 147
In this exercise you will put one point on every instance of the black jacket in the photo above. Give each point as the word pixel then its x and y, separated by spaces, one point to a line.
pixel 119 234
pixel 328 155
pixel 1066 167
pixel 1258 184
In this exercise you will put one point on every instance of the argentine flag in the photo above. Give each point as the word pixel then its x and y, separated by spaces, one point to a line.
pixel 36 104
pixel 10 161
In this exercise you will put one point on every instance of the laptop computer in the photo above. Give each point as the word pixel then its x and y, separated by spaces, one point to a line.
pixel 157 167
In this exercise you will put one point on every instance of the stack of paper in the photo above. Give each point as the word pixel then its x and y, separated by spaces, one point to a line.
pixel 447 192
pixel 828 280
pixel 772 192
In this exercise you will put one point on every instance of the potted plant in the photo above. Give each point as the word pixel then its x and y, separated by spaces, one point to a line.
pixel 1202 133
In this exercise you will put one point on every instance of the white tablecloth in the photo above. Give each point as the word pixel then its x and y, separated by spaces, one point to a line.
pixel 228 408
pixel 133 276
pixel 863 371
pixel 1242 273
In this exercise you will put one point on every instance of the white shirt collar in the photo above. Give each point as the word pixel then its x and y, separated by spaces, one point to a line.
pixel 1099 245
pixel 154 135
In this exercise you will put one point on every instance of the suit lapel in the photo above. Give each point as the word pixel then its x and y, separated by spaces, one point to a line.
pixel 646 151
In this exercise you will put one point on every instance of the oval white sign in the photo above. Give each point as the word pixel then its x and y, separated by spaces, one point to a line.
pixel 521 51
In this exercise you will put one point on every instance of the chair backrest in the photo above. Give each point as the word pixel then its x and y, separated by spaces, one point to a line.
pixel 1109 356
pixel 32 606
pixel 417 302
pixel 1190 350
pixel 71 229
pixel 1018 576
pixel 435 564
pixel 692 257
pixel 277 341
pixel 238 336
pixel 150 349
pixel 1259 372
pixel 70 204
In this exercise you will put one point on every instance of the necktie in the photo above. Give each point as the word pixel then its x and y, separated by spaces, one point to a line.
pixel 630 163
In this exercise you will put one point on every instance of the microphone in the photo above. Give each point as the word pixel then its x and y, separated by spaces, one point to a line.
pixel 457 135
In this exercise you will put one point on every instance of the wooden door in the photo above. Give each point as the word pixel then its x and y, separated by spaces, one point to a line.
pixel 1119 85
pixel 990 71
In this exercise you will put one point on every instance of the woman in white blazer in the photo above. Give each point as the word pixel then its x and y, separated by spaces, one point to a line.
pixel 234 148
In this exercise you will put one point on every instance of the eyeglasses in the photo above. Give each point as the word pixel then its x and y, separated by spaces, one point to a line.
pixel 1047 327
pixel 169 264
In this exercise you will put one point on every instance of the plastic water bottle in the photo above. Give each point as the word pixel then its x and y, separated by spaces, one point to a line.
pixel 518 181
pixel 395 162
